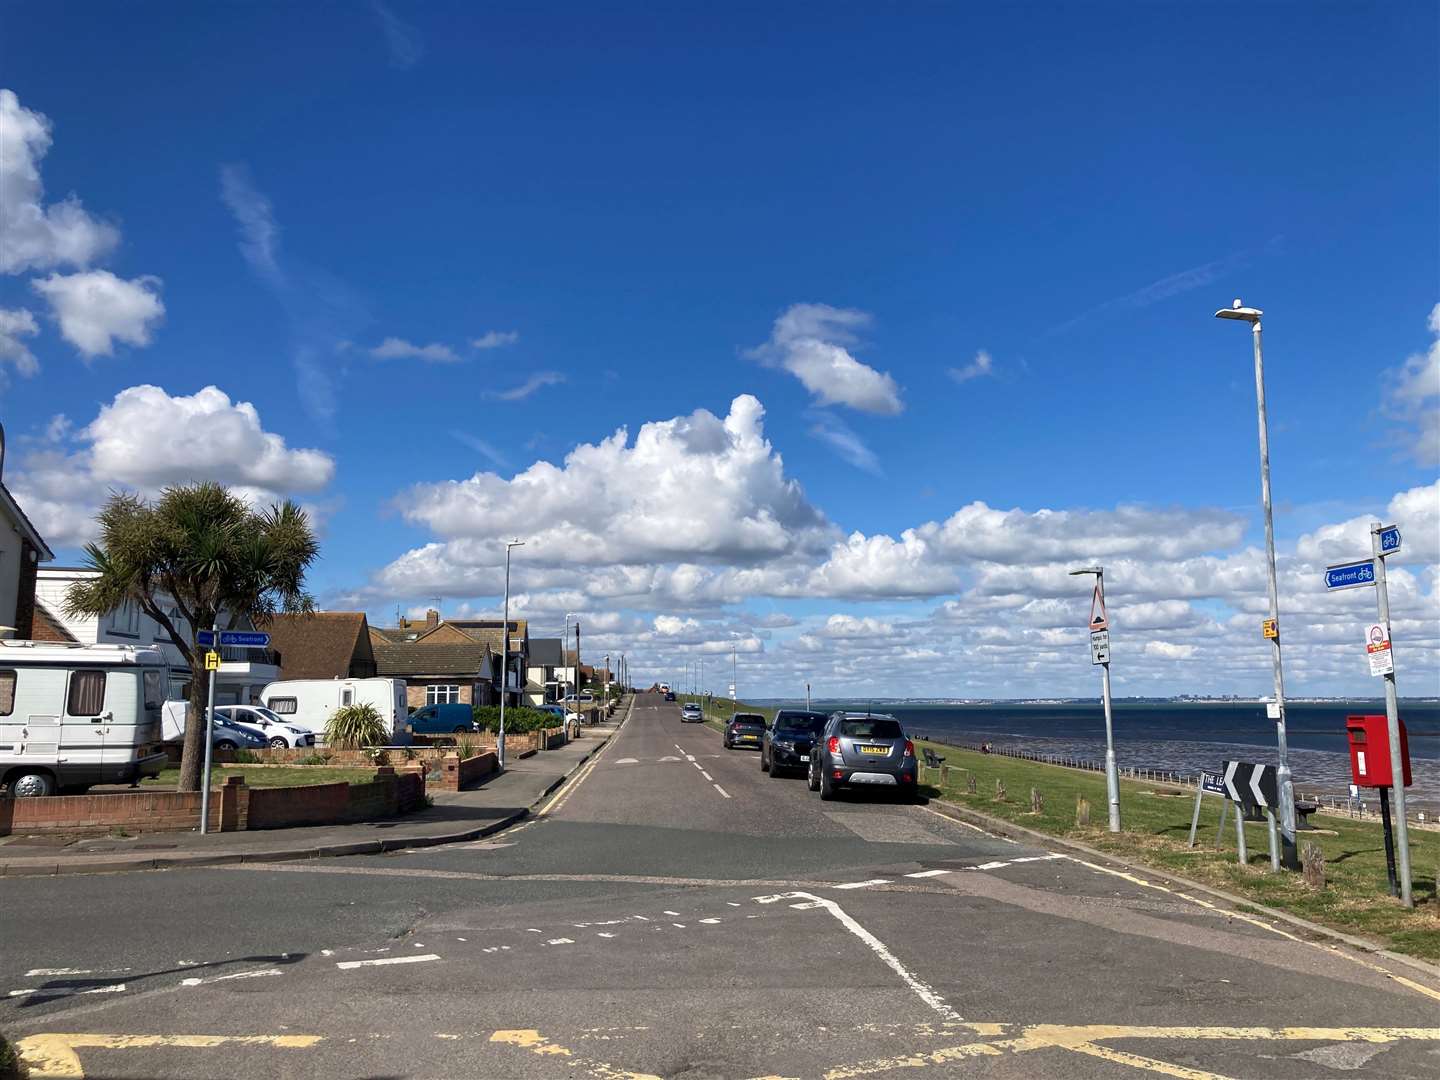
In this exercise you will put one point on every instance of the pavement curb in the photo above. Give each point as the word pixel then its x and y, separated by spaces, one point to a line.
pixel 296 854
pixel 1002 827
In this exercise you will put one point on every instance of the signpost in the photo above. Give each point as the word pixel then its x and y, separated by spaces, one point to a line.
pixel 210 640
pixel 1100 657
pixel 1099 646
pixel 1210 784
pixel 1253 788
pixel 1352 575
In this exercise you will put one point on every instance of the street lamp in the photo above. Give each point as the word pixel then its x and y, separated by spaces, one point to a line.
pixel 1112 774
pixel 1289 855
pixel 605 691
pixel 564 646
pixel 505 654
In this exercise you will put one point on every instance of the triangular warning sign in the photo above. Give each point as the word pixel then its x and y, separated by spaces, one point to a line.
pixel 1098 618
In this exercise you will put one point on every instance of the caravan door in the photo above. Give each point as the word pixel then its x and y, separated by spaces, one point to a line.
pixel 85 723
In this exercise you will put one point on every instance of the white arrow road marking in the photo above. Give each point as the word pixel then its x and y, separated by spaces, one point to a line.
pixel 347 965
pixel 864 884
pixel 628 761
pixel 929 873
pixel 233 975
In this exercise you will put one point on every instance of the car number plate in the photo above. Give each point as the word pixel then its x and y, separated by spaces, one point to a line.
pixel 804 757
pixel 880 751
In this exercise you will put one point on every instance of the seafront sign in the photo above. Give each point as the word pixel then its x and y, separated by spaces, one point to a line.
pixel 235 639
pixel 1351 575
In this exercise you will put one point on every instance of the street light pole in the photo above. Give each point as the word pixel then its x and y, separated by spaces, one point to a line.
pixel 1112 773
pixel 505 654
pixel 807 697
pixel 1289 854
pixel 1392 721
pixel 605 690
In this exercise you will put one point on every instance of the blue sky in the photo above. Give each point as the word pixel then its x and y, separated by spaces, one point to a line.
pixel 627 201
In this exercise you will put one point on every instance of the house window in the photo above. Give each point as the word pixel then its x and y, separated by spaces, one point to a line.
pixel 7 692
pixel 285 706
pixel 87 693
pixel 442 693
pixel 126 619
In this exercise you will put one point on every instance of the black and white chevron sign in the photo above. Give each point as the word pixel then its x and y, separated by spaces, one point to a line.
pixel 1251 785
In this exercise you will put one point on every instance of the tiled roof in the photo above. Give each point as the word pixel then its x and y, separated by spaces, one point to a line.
pixel 319 646
pixel 47 627
pixel 406 658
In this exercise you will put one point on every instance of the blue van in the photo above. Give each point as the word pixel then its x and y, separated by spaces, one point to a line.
pixel 453 718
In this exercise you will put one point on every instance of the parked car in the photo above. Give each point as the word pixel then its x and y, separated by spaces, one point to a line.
pixel 271 728
pixel 225 734
pixel 863 749
pixel 78 715
pixel 669 695
pixel 691 714
pixel 452 718
pixel 744 729
pixel 788 741
pixel 308 703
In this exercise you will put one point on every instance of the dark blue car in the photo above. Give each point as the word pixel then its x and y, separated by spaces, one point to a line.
pixel 453 718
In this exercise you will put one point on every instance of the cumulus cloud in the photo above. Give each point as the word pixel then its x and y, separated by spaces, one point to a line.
pixel 1413 397
pixel 34 236
pixel 145 439
pixel 496 339
pixel 981 365
pixel 15 324
pixel 394 348
pixel 813 342
pixel 95 309
pixel 538 381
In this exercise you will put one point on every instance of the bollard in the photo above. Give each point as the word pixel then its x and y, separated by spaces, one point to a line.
pixel 1082 811
pixel 970 784
pixel 1312 862
pixel 999 790
pixel 944 776
pixel 1037 804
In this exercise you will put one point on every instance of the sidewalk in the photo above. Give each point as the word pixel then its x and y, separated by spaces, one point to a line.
pixel 497 803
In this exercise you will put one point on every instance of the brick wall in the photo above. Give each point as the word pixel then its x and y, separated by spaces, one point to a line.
pixel 457 772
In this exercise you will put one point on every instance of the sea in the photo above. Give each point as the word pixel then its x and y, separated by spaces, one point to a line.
pixel 1182 736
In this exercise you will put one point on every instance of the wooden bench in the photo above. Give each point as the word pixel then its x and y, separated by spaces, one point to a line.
pixel 932 759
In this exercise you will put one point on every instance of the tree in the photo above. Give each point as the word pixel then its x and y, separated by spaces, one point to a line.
pixel 207 552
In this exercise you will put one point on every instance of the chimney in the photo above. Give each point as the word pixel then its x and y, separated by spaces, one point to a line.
pixel 432 618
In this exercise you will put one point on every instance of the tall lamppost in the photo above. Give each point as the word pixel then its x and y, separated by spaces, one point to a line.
pixel 505 654
pixel 574 671
pixel 605 690
pixel 1100 654
pixel 1289 854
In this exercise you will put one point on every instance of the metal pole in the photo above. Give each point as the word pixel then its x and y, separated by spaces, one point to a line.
pixel 1112 777
pixel 1220 832
pixel 504 659
pixel 1392 724
pixel 1289 855
pixel 1195 818
pixel 1389 842
pixel 209 736
pixel 807 697
pixel 1274 840
pixel 1240 833
pixel 605 691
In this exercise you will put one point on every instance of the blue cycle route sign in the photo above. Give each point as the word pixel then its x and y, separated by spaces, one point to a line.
pixel 1390 540
pixel 235 639
pixel 1350 575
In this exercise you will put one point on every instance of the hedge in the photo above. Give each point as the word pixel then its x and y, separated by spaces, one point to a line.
pixel 518 718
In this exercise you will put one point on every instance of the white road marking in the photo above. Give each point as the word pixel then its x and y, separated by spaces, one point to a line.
pixel 233 975
pixel 706 775
pixel 928 873
pixel 709 922
pixel 668 912
pixel 603 934
pixel 864 884
pixel 732 903
pixel 722 791
pixel 698 766
pixel 689 757
pixel 642 918
pixel 923 991
pixel 628 761
pixel 681 925
pixel 36 972
pixel 561 941
pixel 68 991
pixel 347 965
pixel 671 757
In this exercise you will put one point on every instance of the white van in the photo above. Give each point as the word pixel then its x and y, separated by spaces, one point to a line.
pixel 308 703
pixel 75 715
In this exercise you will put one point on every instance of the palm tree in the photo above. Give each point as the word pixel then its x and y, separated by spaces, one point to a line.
pixel 209 553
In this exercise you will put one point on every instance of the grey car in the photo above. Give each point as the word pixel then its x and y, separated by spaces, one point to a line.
pixel 863 749
pixel 691 714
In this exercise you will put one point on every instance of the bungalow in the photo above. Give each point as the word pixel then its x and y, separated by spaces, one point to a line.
pixel 436 672
pixel 22 549
pixel 468 632
pixel 545 668
pixel 323 645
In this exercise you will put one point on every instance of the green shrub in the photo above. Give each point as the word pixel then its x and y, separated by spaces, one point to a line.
pixel 313 759
pixel 245 757
pixel 353 727
pixel 518 719
pixel 465 748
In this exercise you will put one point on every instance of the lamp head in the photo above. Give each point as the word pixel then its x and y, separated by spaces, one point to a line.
pixel 1087 570
pixel 1240 312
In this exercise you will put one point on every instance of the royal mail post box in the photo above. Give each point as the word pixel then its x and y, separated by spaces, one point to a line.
pixel 1369 738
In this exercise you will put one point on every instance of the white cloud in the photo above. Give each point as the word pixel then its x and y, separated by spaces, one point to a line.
pixel 17 323
pixel 496 339
pixel 259 234
pixel 981 365
pixel 838 435
pixel 1413 397
pixel 403 40
pixel 95 309
pixel 394 348
pixel 535 382
pixel 1167 650
pixel 34 236
pixel 810 341
pixel 146 439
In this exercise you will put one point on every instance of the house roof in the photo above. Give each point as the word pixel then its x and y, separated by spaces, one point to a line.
pixel 319 645
pixel 24 524
pixel 47 627
pixel 411 658
pixel 546 652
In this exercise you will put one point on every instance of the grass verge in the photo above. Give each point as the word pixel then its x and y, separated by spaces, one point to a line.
pixel 266 776
pixel 9 1063
pixel 1156 820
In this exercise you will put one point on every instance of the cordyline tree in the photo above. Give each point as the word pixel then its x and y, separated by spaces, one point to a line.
pixel 217 560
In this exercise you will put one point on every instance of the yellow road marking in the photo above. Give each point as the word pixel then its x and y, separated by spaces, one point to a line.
pixel 1165 1068
pixel 579 778
pixel 532 1040
pixel 53 1056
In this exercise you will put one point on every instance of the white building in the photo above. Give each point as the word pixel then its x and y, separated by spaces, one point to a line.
pixel 22 549
pixel 243 672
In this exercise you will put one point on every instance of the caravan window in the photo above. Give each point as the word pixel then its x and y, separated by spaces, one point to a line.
pixel 285 706
pixel 347 696
pixel 154 690
pixel 87 693
pixel 7 692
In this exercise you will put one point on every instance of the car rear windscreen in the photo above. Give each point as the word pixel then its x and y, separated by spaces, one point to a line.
pixel 871 729
pixel 800 721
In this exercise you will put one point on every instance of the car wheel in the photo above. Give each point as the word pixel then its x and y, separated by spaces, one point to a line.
pixel 775 771
pixel 812 778
pixel 226 744
pixel 764 765
pixel 827 788
pixel 462 731
pixel 277 743
pixel 30 785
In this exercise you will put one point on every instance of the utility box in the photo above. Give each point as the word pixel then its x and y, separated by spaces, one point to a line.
pixel 1369 738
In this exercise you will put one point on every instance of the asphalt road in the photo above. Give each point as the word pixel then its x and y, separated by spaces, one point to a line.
pixel 675 912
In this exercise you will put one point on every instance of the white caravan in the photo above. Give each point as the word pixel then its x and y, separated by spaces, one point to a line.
pixel 308 703
pixel 75 715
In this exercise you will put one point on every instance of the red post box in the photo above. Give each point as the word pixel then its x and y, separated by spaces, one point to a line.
pixel 1369 738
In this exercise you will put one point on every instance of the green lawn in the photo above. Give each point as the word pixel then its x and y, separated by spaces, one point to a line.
pixel 268 776
pixel 1156 823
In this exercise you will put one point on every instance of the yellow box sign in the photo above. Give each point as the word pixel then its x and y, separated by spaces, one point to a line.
pixel 1270 628
pixel 212 661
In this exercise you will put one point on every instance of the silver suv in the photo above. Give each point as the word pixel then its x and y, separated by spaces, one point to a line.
pixel 867 749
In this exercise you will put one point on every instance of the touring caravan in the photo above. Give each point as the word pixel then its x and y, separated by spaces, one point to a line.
pixel 308 703
pixel 75 715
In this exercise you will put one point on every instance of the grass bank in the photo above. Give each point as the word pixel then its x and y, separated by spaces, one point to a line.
pixel 1156 820
pixel 268 776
